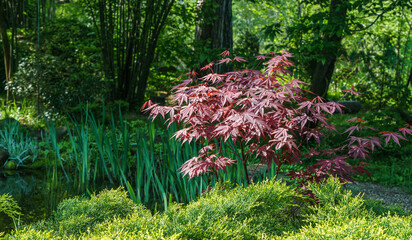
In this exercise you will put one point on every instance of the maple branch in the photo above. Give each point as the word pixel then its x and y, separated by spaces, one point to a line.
pixel 216 175
pixel 234 151
pixel 244 161
pixel 277 170
pixel 241 159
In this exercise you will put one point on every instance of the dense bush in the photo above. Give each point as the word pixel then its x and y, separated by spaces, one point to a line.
pixel 390 227
pixel 78 214
pixel 64 72
pixel 260 211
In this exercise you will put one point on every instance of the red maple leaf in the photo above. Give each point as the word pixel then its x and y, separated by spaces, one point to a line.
pixel 356 120
pixel 261 57
pixel 394 136
pixel 239 59
pixel 208 66
pixel 225 53
pixel 352 129
pixel 352 91
pixel 405 131
pixel 225 60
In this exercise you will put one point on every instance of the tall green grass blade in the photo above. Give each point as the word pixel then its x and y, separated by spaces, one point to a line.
pixel 53 139
pixel 161 191
pixel 99 136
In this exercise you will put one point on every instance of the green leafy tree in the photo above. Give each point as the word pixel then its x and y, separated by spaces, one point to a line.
pixel 377 58
pixel 322 27
pixel 174 51
pixel 65 71
pixel 14 16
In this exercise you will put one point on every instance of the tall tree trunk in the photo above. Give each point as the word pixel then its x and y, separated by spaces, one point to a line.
pixel 323 70
pixel 7 51
pixel 214 30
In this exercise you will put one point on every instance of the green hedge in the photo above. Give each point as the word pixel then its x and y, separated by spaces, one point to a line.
pixel 267 210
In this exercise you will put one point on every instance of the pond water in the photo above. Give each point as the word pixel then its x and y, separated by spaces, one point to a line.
pixel 33 192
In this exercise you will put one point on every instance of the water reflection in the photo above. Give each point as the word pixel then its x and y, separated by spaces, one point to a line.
pixel 32 191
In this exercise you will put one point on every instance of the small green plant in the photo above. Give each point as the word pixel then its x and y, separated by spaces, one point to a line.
pixel 18 144
pixel 22 110
pixel 9 207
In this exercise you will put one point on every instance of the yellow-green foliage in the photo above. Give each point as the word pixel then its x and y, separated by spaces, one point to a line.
pixel 341 216
pixel 136 226
pixel 238 213
pixel 29 233
pixel 8 206
pixel 334 203
pixel 261 211
pixel 77 215
pixel 383 228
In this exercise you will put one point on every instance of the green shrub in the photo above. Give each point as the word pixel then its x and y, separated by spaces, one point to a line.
pixel 29 233
pixel 339 215
pixel 335 204
pixel 389 227
pixel 64 71
pixel 238 213
pixel 379 208
pixel 80 214
pixel 261 211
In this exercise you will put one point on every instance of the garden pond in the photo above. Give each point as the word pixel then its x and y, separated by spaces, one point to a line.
pixel 36 194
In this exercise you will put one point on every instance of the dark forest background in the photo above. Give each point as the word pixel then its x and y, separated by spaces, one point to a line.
pixel 59 54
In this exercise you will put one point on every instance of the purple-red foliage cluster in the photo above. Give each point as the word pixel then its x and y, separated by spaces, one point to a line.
pixel 265 114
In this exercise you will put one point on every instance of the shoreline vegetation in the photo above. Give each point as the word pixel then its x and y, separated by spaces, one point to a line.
pixel 205 119
pixel 265 210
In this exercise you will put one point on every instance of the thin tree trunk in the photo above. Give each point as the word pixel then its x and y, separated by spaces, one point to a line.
pixel 7 53
pixel 159 21
pixel 128 32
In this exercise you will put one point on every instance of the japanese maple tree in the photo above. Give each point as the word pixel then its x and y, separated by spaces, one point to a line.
pixel 266 115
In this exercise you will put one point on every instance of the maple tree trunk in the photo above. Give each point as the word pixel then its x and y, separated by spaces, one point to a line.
pixel 323 70
pixel 214 30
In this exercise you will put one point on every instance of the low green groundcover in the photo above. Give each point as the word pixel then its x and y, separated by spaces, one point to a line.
pixel 267 210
